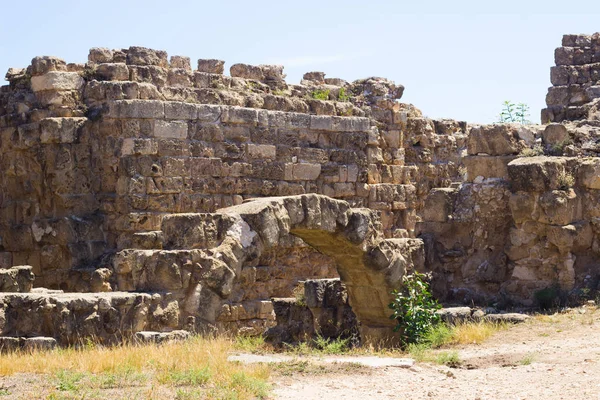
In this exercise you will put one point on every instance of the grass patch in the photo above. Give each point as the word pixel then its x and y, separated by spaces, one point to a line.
pixel 468 333
pixel 68 381
pixel 304 367
pixel 321 345
pixel 196 362
pixel 423 353
pixel 441 335
pixel 528 359
pixel 188 377
pixel 251 344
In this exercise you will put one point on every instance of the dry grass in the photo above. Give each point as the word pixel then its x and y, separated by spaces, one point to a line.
pixel 474 333
pixel 199 362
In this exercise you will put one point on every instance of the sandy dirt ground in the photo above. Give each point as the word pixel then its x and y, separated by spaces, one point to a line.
pixel 549 357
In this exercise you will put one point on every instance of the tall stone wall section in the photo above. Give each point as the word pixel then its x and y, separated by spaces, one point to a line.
pixel 575 80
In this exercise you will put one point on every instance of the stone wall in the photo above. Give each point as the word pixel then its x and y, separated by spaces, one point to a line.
pixel 133 171
pixel 575 80
pixel 96 154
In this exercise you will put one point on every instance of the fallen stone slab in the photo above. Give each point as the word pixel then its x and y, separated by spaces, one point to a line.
pixel 37 343
pixel 144 337
pixel 510 318
pixel 368 361
pixel 455 315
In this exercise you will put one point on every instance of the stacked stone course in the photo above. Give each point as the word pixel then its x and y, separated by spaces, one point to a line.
pixel 575 79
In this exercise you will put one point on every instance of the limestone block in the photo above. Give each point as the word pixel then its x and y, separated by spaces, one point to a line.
pixel 304 172
pixel 16 279
pixel 247 71
pixel 58 81
pixel 536 173
pixel 112 72
pixel 393 138
pixel 351 124
pixel 494 140
pixel 138 146
pixel 314 77
pixel 43 64
pixel 160 185
pixel 261 151
pixel 180 77
pixel 439 205
pixel 152 74
pixel 180 110
pixel 487 166
pixel 272 72
pixel 181 62
pixel 208 112
pixel 589 173
pixel 170 129
pixel 99 55
pixel 321 122
pixel 136 109
pixel 342 189
pixel 201 166
pixel 239 115
pixel 144 56
pixel 60 130
pixel 195 231
pixel 560 207
pixel 211 66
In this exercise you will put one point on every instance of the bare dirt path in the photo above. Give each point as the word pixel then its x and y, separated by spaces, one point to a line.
pixel 549 357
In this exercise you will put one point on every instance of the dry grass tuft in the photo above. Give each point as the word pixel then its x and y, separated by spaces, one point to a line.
pixel 474 333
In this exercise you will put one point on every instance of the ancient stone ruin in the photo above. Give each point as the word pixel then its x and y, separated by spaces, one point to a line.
pixel 142 198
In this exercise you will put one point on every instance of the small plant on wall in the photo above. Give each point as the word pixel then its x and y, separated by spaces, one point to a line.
pixel 514 113
pixel 414 307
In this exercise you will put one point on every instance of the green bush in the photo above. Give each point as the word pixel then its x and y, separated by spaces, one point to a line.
pixel 320 94
pixel 414 307
pixel 343 96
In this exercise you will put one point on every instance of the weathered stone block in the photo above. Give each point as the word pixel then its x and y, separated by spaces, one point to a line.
pixel 261 151
pixel 589 173
pixel 136 109
pixel 170 129
pixel 211 66
pixel 439 205
pixel 60 130
pixel 239 115
pixel 536 174
pixel 180 110
pixel 112 72
pixel 555 134
pixel 247 71
pixel 180 77
pixel 58 81
pixel 181 62
pixel 139 146
pixel 144 56
pixel 302 171
pixel 487 166
pixel 99 55
pixel 321 122
pixel 494 140
pixel 43 64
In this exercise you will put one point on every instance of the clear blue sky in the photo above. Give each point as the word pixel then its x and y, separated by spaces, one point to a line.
pixel 457 59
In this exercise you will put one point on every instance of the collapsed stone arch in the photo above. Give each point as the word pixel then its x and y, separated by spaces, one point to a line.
pixel 220 244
